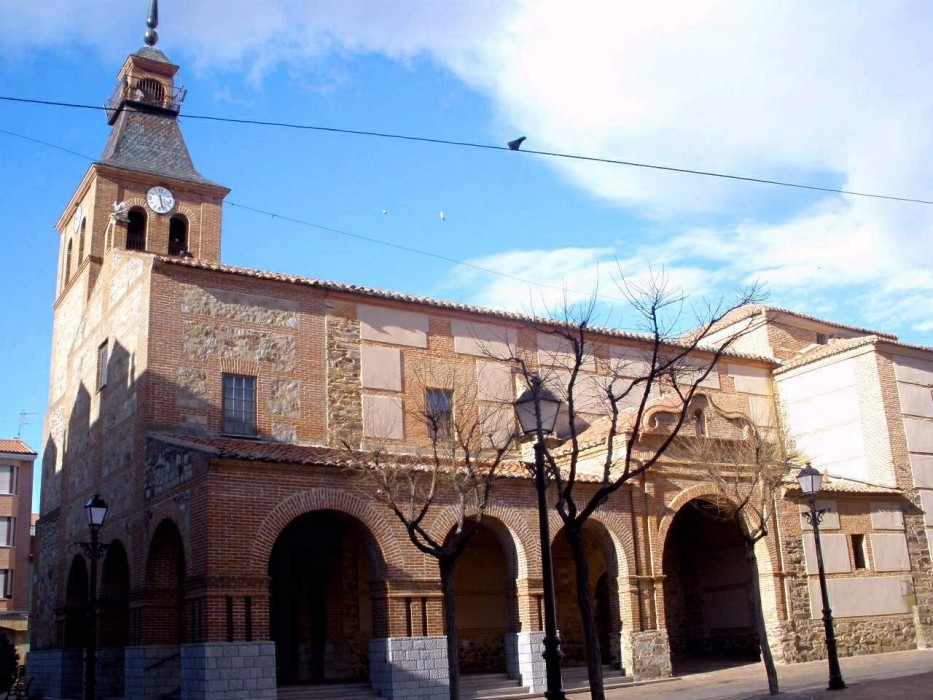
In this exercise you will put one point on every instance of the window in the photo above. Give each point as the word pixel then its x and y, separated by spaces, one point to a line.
pixel 7 479
pixel 68 262
pixel 136 230
pixel 858 549
pixel 440 412
pixel 81 241
pixel 177 235
pixel 699 423
pixel 239 402
pixel 102 365
pixel 6 582
pixel 6 531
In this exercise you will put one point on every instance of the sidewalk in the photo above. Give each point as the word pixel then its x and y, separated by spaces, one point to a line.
pixel 902 675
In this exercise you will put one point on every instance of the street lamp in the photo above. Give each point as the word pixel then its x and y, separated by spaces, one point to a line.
pixel 96 510
pixel 810 480
pixel 537 410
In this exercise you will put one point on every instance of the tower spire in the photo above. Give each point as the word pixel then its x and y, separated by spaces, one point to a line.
pixel 152 21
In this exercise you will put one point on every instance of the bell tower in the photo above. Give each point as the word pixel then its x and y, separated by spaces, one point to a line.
pixel 144 193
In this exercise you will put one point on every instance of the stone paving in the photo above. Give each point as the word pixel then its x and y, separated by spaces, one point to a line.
pixel 900 675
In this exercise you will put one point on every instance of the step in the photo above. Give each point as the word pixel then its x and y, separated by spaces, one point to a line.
pixel 327 691
pixel 490 686
pixel 576 678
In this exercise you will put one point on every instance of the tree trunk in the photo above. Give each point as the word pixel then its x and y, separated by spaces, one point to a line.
pixel 594 662
pixel 766 658
pixel 450 625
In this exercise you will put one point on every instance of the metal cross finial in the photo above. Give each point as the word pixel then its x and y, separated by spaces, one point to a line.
pixel 152 21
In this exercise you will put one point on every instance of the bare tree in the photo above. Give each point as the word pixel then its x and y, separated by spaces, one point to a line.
pixel 748 465
pixel 661 364
pixel 465 442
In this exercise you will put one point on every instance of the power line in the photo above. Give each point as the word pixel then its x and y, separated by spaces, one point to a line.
pixel 358 236
pixel 492 147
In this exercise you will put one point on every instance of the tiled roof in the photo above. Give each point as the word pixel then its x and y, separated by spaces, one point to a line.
pixel 288 453
pixel 16 446
pixel 747 310
pixel 150 142
pixel 838 484
pixel 427 301
pixel 153 54
pixel 837 347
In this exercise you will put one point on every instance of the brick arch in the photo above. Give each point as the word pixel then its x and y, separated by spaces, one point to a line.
pixel 167 510
pixel 506 524
pixel 387 551
pixel 709 493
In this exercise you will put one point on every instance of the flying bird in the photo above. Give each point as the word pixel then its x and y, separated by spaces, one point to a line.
pixel 443 218
pixel 385 212
pixel 516 144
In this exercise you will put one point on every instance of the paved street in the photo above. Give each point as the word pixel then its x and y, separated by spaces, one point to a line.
pixel 901 675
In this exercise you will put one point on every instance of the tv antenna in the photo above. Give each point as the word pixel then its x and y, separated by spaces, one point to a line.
pixel 23 421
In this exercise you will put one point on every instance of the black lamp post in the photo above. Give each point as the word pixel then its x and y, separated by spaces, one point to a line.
pixel 96 510
pixel 810 480
pixel 537 410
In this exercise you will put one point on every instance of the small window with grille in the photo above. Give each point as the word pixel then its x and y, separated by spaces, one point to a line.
pixel 239 404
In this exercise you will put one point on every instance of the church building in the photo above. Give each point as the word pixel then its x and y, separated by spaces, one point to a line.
pixel 208 405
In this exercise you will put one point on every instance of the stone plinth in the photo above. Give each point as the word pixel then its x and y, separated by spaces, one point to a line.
pixel 232 671
pixel 56 673
pixel 152 671
pixel 524 660
pixel 413 668
pixel 647 655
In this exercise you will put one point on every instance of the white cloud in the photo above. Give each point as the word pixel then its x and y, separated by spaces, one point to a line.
pixel 830 93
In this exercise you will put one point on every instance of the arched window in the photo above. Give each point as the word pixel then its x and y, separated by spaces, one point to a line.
pixel 68 261
pixel 81 242
pixel 136 230
pixel 177 235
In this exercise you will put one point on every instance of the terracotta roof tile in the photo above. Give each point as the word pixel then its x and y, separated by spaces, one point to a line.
pixel 16 446
pixel 283 452
pixel 747 310
pixel 837 347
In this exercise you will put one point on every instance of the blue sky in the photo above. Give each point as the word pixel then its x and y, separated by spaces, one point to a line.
pixel 832 94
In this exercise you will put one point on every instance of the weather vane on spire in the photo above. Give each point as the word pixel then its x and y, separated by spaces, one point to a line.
pixel 152 21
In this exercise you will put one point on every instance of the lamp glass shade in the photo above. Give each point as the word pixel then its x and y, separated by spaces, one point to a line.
pixel 96 511
pixel 547 404
pixel 810 480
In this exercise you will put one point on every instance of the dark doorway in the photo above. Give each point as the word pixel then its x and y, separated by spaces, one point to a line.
pixel 602 590
pixel 321 611
pixel 707 602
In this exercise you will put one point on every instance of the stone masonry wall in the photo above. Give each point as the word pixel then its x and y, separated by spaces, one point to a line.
pixel 344 402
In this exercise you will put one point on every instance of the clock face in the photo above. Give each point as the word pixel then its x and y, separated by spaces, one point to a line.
pixel 77 219
pixel 160 200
